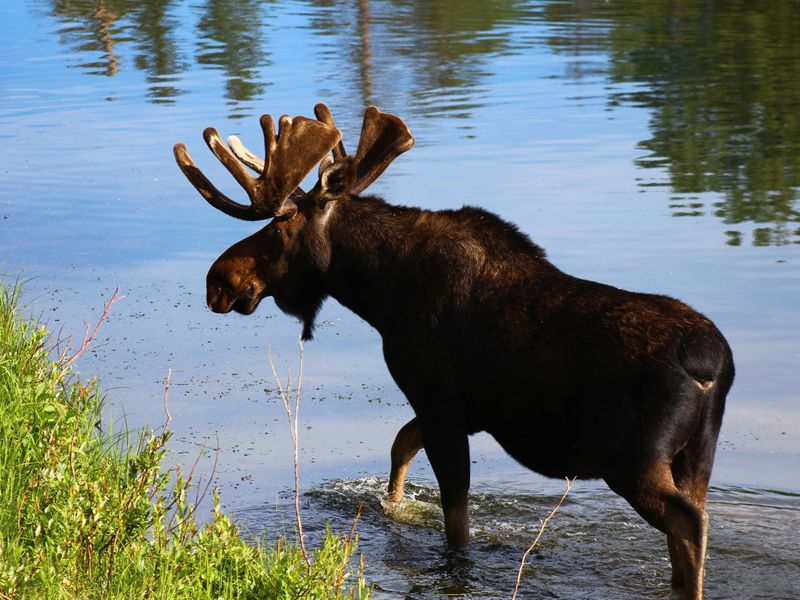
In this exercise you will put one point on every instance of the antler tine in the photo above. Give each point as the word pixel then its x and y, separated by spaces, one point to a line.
pixel 383 138
pixel 289 156
pixel 270 139
pixel 226 157
pixel 214 197
pixel 243 154
pixel 323 113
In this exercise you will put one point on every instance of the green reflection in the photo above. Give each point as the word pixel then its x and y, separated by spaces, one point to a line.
pixel 105 28
pixel 156 49
pixel 721 79
pixel 723 87
pixel 230 38
pixel 429 58
pixel 434 52
pixel 445 47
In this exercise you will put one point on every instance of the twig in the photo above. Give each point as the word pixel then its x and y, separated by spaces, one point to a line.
pixel 539 535
pixel 166 397
pixel 352 533
pixel 87 336
pixel 348 549
pixel 293 429
pixel 186 484
pixel 200 496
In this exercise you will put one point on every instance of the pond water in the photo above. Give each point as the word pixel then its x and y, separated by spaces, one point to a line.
pixel 652 146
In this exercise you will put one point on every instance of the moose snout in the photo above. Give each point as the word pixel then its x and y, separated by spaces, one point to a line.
pixel 216 300
pixel 222 301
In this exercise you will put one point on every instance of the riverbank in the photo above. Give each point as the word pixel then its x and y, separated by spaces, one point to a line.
pixel 87 511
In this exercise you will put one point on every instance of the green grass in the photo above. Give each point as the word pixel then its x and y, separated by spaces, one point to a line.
pixel 90 513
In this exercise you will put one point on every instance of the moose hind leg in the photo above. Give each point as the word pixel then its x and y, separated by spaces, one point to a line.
pixel 691 552
pixel 658 500
pixel 691 471
pixel 405 447
pixel 676 560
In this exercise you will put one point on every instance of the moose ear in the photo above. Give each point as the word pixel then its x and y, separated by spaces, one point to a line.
pixel 338 178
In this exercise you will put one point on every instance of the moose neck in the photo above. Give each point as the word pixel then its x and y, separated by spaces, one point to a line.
pixel 369 241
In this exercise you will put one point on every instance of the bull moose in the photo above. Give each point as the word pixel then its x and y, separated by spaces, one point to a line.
pixel 480 331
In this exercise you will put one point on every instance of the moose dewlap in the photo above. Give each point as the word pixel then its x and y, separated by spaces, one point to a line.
pixel 480 331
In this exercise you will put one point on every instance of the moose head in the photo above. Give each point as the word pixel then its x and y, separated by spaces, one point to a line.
pixel 281 259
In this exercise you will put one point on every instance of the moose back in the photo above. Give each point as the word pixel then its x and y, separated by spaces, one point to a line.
pixel 480 331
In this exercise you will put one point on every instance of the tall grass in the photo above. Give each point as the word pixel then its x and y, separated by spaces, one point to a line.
pixel 92 513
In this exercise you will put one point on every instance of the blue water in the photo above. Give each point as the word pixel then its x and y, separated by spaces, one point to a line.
pixel 623 139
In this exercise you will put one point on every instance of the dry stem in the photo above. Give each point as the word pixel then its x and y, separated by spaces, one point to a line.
pixel 348 547
pixel 539 535
pixel 166 397
pixel 292 415
pixel 88 335
pixel 200 494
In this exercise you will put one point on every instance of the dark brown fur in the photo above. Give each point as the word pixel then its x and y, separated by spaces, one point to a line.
pixel 482 333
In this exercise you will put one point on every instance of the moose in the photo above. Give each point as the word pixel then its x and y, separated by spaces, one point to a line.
pixel 480 331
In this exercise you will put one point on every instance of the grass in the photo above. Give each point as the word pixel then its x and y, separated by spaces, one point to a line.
pixel 92 513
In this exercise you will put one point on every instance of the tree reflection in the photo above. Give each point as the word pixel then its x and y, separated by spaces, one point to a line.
pixel 91 27
pixel 156 51
pixel 105 22
pixel 723 86
pixel 721 78
pixel 101 27
pixel 444 48
pixel 427 58
pixel 230 38
pixel 430 54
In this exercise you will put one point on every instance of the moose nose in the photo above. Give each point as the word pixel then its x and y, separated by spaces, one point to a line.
pixel 213 298
pixel 221 306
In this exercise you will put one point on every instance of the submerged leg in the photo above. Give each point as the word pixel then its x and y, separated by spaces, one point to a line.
pixel 654 495
pixel 676 560
pixel 405 447
pixel 448 453
pixel 691 472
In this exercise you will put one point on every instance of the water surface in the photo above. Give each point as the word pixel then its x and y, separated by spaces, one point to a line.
pixel 653 146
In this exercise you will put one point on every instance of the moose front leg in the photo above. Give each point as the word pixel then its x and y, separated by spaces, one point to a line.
pixel 426 382
pixel 406 445
pixel 448 453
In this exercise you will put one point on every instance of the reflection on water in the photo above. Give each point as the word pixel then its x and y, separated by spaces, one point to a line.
pixel 130 33
pixel 440 46
pixel 721 80
pixel 230 38
pixel 722 83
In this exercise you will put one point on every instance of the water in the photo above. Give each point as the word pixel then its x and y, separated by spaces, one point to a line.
pixel 653 146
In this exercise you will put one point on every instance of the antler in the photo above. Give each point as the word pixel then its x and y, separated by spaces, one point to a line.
pixel 383 138
pixel 288 157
